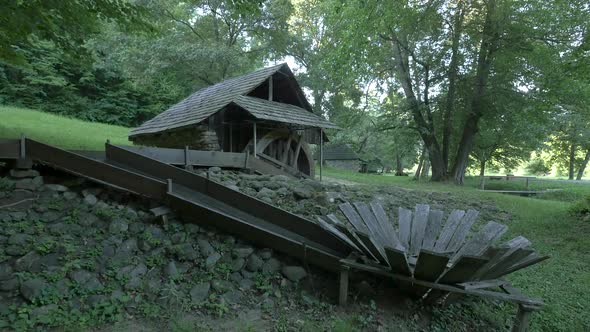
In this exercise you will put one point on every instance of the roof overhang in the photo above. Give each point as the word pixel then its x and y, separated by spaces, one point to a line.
pixel 266 110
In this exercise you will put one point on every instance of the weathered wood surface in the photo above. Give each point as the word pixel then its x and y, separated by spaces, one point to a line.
pixel 423 248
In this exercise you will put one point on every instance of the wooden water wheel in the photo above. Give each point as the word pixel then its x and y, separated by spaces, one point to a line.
pixel 284 148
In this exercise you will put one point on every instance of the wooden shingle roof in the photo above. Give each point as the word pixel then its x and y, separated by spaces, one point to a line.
pixel 206 102
pixel 280 112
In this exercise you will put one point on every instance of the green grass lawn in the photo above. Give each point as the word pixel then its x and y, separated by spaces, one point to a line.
pixel 563 281
pixel 56 130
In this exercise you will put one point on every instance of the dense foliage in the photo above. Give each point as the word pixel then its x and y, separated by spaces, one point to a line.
pixel 457 85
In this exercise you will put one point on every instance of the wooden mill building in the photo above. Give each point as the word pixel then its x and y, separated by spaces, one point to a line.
pixel 264 113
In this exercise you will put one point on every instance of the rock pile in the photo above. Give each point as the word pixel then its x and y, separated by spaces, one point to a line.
pixel 82 249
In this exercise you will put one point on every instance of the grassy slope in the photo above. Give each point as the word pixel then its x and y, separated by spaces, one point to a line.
pixel 53 129
pixel 562 281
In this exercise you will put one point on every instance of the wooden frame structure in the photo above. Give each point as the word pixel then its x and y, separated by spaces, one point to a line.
pixel 430 259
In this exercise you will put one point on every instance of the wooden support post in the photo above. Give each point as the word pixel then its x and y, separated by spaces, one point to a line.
pixel 255 155
pixel 23 151
pixel 169 185
pixel 23 162
pixel 343 295
pixel 521 321
pixel 231 134
pixel 186 158
pixel 321 151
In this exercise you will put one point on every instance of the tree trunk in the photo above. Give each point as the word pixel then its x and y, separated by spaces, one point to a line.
pixel 425 169
pixel 583 166
pixel 572 160
pixel 399 167
pixel 482 173
pixel 484 60
pixel 420 164
pixel 439 169
pixel 453 69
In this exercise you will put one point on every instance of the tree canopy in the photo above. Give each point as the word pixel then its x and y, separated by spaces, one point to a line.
pixel 464 83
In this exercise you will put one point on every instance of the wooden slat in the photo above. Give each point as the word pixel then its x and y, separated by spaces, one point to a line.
pixel 532 259
pixel 432 229
pixel 352 236
pixel 371 222
pixel 386 226
pixel 398 261
pixel 405 224
pixel 353 217
pixel 481 241
pixel 375 248
pixel 448 230
pixel 338 234
pixel 499 254
pixel 507 261
pixel 418 227
pixel 462 230
pixel 464 269
pixel 430 265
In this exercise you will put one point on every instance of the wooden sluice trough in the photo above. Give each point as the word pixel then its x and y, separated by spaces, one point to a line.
pixel 435 261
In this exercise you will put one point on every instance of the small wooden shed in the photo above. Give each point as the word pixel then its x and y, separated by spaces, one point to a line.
pixel 264 112
pixel 341 156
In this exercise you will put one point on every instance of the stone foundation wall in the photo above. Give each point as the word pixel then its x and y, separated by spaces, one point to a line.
pixel 351 165
pixel 197 138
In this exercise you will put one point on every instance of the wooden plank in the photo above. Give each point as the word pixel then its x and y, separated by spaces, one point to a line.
pixel 371 222
pixel 482 284
pixel 352 236
pixel 498 254
pixel 375 248
pixel 506 262
pixel 448 230
pixel 386 226
pixel 405 224
pixel 481 241
pixel 398 261
pixel 430 265
pixel 337 233
pixel 462 230
pixel 432 229
pixel 9 149
pixel 463 270
pixel 353 217
pixel 418 227
pixel 532 259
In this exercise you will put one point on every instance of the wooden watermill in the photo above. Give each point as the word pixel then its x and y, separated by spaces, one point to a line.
pixel 264 113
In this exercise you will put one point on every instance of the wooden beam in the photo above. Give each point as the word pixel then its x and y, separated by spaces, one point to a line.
pixel 297 149
pixel 285 155
pixel 534 303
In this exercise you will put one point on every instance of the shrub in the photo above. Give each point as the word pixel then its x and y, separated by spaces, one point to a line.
pixel 538 167
pixel 581 209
